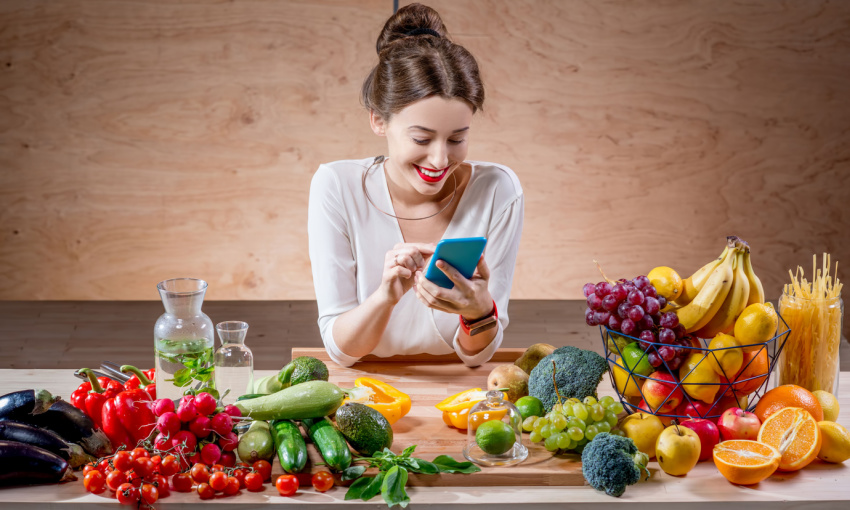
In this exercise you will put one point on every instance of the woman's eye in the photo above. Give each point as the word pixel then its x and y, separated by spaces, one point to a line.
pixel 420 142
pixel 456 142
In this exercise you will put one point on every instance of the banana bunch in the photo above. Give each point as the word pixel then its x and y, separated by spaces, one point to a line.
pixel 715 295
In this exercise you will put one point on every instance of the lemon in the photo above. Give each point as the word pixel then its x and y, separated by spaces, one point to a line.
pixel 698 378
pixel 836 442
pixel 667 282
pixel 756 324
pixel 726 356
pixel 627 385
pixel 530 406
pixel 828 403
pixel 495 437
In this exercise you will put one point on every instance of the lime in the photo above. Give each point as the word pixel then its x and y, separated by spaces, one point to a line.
pixel 529 406
pixel 636 360
pixel 495 437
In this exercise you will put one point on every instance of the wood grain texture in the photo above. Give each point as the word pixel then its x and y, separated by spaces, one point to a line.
pixel 146 140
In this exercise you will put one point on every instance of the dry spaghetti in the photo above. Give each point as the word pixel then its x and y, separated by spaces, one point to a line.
pixel 813 312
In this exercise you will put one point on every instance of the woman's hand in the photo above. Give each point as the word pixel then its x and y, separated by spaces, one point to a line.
pixel 470 299
pixel 400 264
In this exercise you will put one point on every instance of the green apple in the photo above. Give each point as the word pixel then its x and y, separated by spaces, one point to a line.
pixel 643 429
pixel 677 450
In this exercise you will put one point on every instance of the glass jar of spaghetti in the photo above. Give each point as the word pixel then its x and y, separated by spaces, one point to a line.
pixel 814 313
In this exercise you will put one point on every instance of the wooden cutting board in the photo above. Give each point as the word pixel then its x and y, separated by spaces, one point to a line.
pixel 429 380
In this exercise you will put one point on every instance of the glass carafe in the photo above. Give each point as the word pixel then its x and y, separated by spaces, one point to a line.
pixel 234 362
pixel 183 339
pixel 494 433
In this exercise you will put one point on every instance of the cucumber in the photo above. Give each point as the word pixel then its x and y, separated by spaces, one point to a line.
pixel 256 444
pixel 330 443
pixel 267 385
pixel 290 445
pixel 313 399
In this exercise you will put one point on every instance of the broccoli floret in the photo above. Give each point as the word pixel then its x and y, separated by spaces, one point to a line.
pixel 609 463
pixel 577 375
pixel 301 370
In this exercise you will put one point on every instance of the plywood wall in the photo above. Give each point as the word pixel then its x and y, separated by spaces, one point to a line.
pixel 142 140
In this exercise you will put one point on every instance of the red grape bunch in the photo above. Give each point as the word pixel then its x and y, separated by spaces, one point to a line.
pixel 633 308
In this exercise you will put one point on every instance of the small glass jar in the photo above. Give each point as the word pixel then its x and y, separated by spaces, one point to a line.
pixel 234 362
pixel 494 434
pixel 809 357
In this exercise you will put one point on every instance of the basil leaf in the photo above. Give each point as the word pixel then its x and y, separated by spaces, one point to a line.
pixel 388 454
pixel 374 488
pixel 191 362
pixel 411 463
pixel 393 487
pixel 182 377
pixel 447 464
pixel 353 472
pixel 407 451
pixel 424 467
pixel 355 490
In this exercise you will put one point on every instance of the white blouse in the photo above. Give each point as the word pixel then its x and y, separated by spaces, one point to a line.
pixel 349 239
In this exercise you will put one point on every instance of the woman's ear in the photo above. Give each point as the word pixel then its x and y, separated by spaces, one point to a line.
pixel 379 125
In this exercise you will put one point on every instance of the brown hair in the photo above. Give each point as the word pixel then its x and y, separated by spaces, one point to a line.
pixel 414 63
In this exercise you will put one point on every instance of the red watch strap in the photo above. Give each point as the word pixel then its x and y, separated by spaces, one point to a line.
pixel 465 325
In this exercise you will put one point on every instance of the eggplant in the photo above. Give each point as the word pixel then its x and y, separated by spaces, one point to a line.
pixel 22 463
pixel 40 408
pixel 45 439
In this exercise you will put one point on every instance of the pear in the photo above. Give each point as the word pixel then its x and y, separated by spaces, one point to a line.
pixel 532 356
pixel 511 377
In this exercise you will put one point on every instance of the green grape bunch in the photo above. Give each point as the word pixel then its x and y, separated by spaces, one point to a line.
pixel 574 423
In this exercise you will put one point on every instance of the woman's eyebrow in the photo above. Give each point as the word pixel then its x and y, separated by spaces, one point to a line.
pixel 434 131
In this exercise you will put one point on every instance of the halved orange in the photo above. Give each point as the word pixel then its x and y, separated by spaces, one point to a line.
pixel 795 435
pixel 745 462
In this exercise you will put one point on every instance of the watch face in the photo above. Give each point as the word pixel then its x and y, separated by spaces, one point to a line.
pixel 483 325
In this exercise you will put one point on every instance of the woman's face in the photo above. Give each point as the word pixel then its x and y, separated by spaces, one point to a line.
pixel 427 141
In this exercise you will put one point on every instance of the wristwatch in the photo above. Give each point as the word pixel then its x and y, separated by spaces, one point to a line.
pixel 489 321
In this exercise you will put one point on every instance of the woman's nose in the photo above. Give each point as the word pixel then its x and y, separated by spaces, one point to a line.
pixel 439 157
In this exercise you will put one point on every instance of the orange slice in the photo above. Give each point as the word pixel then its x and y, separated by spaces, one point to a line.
pixel 795 435
pixel 745 462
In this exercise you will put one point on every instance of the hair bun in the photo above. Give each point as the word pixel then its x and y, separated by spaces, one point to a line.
pixel 409 18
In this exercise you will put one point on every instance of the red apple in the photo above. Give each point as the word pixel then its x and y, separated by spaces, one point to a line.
pixel 708 435
pixel 695 409
pixel 735 423
pixel 665 388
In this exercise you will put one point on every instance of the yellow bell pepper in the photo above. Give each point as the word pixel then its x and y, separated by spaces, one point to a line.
pixel 461 419
pixel 462 400
pixel 380 396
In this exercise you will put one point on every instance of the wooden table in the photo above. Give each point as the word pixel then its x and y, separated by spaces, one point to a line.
pixel 820 485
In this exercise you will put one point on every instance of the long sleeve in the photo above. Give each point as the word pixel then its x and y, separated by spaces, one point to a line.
pixel 331 257
pixel 502 246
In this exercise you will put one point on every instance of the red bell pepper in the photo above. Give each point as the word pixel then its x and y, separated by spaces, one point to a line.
pixel 145 379
pixel 90 396
pixel 128 418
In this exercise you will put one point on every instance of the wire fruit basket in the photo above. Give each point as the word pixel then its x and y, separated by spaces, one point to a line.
pixel 741 389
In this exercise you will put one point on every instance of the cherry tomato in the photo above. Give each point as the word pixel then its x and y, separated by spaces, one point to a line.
pixel 239 474
pixel 182 482
pixel 123 461
pixel 254 482
pixel 287 485
pixel 134 479
pixel 170 465
pixel 143 467
pixel 205 491
pixel 89 467
pixel 149 494
pixel 200 473
pixel 127 494
pixel 115 479
pixel 139 452
pixel 264 468
pixel 157 459
pixel 161 484
pixel 216 468
pixel 322 481
pixel 232 486
pixel 218 481
pixel 94 482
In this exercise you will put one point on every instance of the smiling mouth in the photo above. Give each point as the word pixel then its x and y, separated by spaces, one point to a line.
pixel 431 175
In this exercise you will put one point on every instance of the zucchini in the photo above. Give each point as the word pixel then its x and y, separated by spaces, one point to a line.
pixel 249 396
pixel 313 399
pixel 267 385
pixel 290 445
pixel 330 443
pixel 257 443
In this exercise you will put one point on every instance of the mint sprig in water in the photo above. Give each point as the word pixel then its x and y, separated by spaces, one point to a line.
pixel 391 479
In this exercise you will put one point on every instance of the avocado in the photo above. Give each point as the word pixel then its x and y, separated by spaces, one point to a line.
pixel 365 429
pixel 301 370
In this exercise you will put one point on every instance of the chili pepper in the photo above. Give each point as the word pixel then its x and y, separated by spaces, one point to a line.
pixel 90 396
pixel 145 379
pixel 380 396
pixel 127 418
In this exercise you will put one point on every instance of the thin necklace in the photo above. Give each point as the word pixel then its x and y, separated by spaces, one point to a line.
pixel 381 159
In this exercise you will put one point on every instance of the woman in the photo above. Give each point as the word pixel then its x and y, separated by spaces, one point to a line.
pixel 373 223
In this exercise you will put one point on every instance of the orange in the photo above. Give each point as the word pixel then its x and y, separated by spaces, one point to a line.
pixel 745 462
pixel 795 434
pixel 755 364
pixel 788 395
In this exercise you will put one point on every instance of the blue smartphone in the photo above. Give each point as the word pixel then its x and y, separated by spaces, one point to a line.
pixel 462 254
